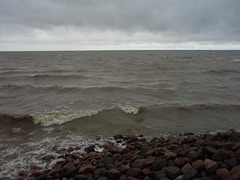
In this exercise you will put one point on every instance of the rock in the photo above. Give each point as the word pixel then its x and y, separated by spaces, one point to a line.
pixel 124 168
pixel 87 169
pixel 221 155
pixel 134 172
pixel 235 176
pixel 49 157
pixel 68 169
pixel 186 168
pixel 114 174
pixel 103 178
pixel 198 165
pixel 90 148
pixel 210 165
pixel 159 175
pixel 222 173
pixel 108 160
pixel 149 160
pixel 172 171
pixel 170 155
pixel 23 173
pixel 81 177
pixel 209 150
pixel 191 174
pixel 235 170
pixel 231 162
pixel 236 147
pixel 196 155
pixel 139 163
pixel 144 149
pixel 118 137
pixel 70 150
pixel 159 164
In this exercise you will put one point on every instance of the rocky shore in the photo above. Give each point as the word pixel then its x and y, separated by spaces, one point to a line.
pixel 187 156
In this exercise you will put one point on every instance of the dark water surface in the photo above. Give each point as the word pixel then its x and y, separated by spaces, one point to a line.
pixel 62 99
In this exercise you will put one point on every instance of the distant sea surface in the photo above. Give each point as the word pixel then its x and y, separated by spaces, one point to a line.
pixel 59 99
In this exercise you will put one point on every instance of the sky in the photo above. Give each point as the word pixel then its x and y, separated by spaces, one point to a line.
pixel 32 25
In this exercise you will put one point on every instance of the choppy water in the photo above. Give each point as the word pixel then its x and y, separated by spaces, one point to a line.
pixel 50 99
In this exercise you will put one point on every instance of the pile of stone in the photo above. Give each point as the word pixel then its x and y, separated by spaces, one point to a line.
pixel 188 156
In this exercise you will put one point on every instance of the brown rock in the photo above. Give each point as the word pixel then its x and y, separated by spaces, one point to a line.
pixel 190 174
pixel 221 155
pixel 170 155
pixel 70 150
pixel 236 147
pixel 172 171
pixel 87 169
pixel 222 173
pixel 114 174
pixel 235 170
pixel 231 162
pixel 186 168
pixel 235 176
pixel 23 173
pixel 210 165
pixel 149 160
pixel 49 157
pixel 81 177
pixel 198 165
pixel 134 172
pixel 159 164
pixel 68 169
pixel 139 163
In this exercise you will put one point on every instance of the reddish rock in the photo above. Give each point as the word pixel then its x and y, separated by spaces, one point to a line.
pixel 222 173
pixel 236 147
pixel 114 174
pixel 70 149
pixel 235 176
pixel 68 169
pixel 186 168
pixel 172 172
pixel 139 163
pixel 210 165
pixel 191 174
pixel 235 169
pixel 49 157
pixel 209 150
pixel 149 160
pixel 53 172
pixel 198 165
pixel 159 164
pixel 23 173
pixel 134 172
pixel 170 155
pixel 221 155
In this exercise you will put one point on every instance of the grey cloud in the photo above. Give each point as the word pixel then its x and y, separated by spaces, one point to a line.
pixel 183 20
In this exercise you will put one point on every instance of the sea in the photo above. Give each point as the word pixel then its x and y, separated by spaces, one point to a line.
pixel 53 100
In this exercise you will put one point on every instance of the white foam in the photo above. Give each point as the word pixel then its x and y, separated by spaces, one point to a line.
pixel 130 110
pixel 60 117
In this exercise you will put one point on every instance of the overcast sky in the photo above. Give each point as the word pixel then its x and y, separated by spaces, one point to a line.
pixel 119 24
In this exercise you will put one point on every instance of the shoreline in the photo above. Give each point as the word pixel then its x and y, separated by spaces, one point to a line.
pixel 188 156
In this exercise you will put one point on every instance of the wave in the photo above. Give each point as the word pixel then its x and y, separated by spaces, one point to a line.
pixel 223 71
pixel 57 76
pixel 58 118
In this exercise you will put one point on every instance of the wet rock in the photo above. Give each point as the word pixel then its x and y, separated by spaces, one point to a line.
pixel 23 173
pixel 86 169
pixel 139 163
pixel 191 174
pixel 68 169
pixel 49 157
pixel 81 177
pixel 209 150
pixel 221 155
pixel 222 173
pixel 149 160
pixel 159 175
pixel 231 162
pixel 172 171
pixel 159 164
pixel 134 172
pixel 70 149
pixel 114 174
pixel 170 155
pixel 210 165
pixel 90 148
pixel 186 168
pixel 198 165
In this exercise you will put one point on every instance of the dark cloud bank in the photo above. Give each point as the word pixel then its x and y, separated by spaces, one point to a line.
pixel 154 23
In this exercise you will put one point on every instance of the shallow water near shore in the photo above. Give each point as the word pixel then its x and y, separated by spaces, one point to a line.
pixel 51 100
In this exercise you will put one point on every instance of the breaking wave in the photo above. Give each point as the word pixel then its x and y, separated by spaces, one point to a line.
pixel 58 118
